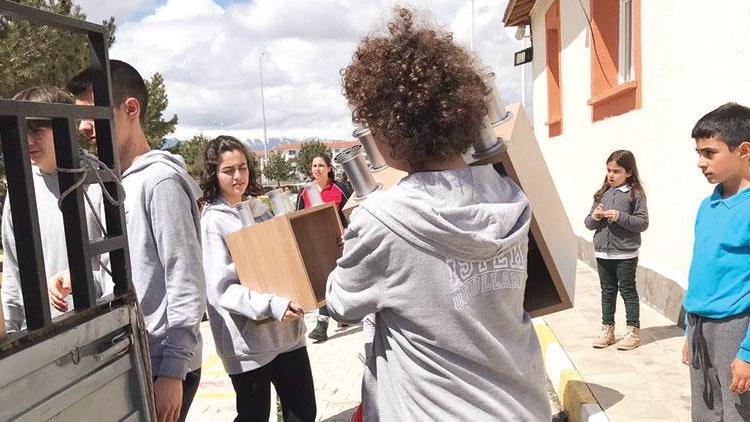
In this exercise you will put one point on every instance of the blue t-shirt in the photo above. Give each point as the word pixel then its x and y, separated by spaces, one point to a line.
pixel 719 279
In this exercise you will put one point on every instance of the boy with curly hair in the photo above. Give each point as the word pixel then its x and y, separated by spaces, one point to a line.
pixel 440 258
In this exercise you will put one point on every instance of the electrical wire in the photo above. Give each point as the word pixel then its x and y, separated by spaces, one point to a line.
pixel 593 44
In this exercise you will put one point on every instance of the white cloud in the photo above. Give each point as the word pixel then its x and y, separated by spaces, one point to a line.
pixel 98 10
pixel 178 10
pixel 209 56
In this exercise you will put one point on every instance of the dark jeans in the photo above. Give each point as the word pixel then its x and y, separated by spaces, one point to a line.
pixel 324 311
pixel 290 373
pixel 614 275
pixel 189 388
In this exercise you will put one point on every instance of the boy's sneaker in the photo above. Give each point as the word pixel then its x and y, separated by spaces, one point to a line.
pixel 320 333
pixel 606 338
pixel 631 340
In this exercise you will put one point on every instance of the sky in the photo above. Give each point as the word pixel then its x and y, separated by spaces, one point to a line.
pixel 210 53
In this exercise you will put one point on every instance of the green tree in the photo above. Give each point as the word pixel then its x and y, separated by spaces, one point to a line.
pixel 154 126
pixel 278 168
pixel 41 55
pixel 307 152
pixel 192 151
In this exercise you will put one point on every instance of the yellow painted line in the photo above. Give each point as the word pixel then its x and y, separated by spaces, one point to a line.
pixel 573 391
pixel 546 337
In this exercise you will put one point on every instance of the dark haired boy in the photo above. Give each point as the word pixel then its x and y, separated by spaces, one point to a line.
pixel 717 302
pixel 164 235
pixel 440 258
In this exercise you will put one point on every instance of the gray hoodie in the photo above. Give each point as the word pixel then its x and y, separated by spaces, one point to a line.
pixel 246 325
pixel 54 248
pixel 441 259
pixel 623 235
pixel 165 258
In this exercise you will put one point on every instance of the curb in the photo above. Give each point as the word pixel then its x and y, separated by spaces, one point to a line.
pixel 576 398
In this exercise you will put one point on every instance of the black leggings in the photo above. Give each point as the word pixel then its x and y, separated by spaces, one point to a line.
pixel 291 375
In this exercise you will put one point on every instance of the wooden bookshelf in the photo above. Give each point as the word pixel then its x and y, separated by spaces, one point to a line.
pixel 290 255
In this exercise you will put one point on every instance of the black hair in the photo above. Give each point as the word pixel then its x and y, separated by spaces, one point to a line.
pixel 729 123
pixel 126 83
pixel 327 159
pixel 209 182
pixel 626 160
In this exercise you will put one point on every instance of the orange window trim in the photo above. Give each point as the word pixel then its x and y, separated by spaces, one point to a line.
pixel 608 96
pixel 554 82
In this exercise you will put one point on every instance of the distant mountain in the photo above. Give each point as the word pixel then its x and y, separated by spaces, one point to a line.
pixel 170 142
pixel 256 144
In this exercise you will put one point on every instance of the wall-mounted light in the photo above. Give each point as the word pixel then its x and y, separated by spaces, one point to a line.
pixel 520 32
pixel 524 56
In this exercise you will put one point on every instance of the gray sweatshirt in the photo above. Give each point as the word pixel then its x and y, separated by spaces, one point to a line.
pixel 440 259
pixel 165 258
pixel 54 248
pixel 624 234
pixel 246 324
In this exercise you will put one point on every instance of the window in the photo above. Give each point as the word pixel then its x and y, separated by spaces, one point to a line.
pixel 625 63
pixel 615 57
pixel 554 83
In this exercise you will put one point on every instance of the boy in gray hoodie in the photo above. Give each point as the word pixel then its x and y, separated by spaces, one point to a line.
pixel 47 194
pixel 439 258
pixel 163 226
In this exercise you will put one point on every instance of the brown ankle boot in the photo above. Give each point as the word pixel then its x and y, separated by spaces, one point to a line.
pixel 606 337
pixel 631 340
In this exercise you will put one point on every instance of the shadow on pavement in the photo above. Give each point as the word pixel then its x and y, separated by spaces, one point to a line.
pixel 351 330
pixel 607 397
pixel 653 334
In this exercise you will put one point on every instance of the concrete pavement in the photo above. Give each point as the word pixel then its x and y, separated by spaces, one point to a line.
pixel 649 383
pixel 646 384
pixel 337 372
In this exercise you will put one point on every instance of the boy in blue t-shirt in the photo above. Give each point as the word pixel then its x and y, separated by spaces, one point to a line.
pixel 717 302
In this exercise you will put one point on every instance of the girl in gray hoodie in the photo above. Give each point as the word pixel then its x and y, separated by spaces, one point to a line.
pixel 260 337
pixel 441 257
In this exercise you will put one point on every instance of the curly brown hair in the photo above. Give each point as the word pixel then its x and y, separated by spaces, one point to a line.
pixel 417 91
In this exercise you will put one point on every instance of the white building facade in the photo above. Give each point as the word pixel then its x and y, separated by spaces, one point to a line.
pixel 636 75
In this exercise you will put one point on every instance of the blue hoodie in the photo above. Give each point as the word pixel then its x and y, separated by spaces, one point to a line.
pixel 719 279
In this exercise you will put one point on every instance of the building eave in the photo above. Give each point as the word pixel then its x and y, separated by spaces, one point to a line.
pixel 517 12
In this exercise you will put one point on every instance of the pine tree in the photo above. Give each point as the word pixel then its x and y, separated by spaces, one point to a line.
pixel 154 126
pixel 192 152
pixel 307 152
pixel 41 55
pixel 278 168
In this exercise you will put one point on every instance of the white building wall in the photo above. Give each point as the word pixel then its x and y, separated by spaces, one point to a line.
pixel 695 57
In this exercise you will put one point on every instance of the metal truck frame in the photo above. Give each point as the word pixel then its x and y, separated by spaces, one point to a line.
pixel 91 363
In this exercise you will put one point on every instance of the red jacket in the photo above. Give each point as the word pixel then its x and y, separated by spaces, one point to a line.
pixel 335 192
